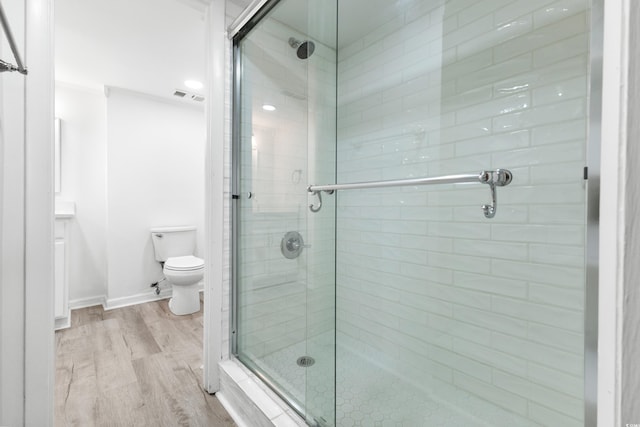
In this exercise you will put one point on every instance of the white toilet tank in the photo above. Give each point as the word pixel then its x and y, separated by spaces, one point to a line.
pixel 173 241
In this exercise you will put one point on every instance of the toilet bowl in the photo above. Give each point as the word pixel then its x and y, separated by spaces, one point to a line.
pixel 184 273
pixel 174 248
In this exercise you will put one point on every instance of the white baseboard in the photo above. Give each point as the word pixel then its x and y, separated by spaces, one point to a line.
pixel 63 322
pixel 86 302
pixel 113 303
pixel 150 296
pixel 141 298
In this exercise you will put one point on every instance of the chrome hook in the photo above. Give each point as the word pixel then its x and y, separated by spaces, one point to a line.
pixel 313 208
pixel 317 193
pixel 490 210
pixel 499 177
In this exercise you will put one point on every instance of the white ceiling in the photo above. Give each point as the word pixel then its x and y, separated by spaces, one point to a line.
pixel 153 46
pixel 150 46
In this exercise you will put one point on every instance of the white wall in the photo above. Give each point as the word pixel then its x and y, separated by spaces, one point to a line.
pixel 2 155
pixel 631 329
pixel 149 153
pixel 83 115
pixel 12 168
pixel 26 266
pixel 155 177
pixel 619 311
pixel 39 200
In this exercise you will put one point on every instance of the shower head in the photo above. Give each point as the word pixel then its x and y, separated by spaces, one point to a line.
pixel 304 49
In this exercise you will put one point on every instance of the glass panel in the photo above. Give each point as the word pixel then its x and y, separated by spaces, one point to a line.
pixel 285 266
pixel 443 316
pixel 446 317
pixel 321 167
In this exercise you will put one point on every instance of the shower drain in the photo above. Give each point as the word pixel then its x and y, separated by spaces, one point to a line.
pixel 305 361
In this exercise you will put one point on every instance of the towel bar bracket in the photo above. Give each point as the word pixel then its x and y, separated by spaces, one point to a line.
pixel 6 66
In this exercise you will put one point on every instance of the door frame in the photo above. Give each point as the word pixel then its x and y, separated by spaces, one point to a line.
pixel 619 266
pixel 215 203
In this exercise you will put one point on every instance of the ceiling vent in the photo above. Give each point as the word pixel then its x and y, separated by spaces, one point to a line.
pixel 188 95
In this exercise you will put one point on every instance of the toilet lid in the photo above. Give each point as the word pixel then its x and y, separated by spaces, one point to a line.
pixel 184 263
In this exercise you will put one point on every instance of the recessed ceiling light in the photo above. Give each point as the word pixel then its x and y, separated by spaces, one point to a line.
pixel 193 84
pixel 268 107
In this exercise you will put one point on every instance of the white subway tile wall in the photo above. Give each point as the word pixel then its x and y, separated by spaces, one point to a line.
pixel 426 286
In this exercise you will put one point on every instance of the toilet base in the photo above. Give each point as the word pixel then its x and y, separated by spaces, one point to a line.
pixel 185 300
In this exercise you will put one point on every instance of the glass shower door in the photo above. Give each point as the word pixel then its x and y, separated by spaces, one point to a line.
pixel 284 254
pixel 408 306
pixel 445 317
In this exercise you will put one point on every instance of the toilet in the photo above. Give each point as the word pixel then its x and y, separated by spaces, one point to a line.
pixel 175 247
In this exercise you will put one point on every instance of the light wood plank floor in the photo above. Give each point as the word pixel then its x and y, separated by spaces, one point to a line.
pixel 134 366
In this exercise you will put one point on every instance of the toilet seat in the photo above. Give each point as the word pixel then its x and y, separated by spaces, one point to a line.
pixel 184 263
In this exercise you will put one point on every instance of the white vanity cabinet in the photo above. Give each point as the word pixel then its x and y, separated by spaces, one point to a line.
pixel 64 214
pixel 61 309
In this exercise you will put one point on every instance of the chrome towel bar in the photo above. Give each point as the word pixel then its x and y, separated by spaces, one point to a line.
pixel 5 66
pixel 494 178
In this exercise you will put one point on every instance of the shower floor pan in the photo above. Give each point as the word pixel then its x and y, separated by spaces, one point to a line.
pixel 368 395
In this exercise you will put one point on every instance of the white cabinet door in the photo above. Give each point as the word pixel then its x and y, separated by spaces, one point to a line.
pixel 59 291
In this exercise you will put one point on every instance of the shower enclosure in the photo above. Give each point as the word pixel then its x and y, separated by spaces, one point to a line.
pixel 410 219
